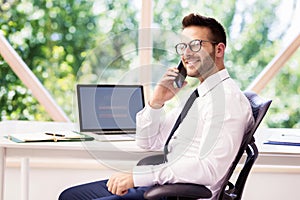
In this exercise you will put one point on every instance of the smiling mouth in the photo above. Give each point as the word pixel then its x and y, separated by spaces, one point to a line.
pixel 191 62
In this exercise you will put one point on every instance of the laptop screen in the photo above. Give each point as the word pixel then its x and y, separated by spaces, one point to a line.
pixel 109 107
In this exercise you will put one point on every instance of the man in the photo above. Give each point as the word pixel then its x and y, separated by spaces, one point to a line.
pixel 208 138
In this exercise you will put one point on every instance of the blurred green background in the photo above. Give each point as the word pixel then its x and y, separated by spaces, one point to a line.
pixel 55 38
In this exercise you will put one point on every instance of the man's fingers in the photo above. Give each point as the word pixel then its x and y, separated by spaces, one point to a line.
pixel 171 72
pixel 169 77
pixel 114 188
pixel 118 185
pixel 109 185
pixel 112 185
pixel 120 190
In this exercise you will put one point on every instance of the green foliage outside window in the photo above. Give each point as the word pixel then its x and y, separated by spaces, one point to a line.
pixel 55 38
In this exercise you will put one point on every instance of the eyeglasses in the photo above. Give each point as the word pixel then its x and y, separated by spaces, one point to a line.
pixel 194 45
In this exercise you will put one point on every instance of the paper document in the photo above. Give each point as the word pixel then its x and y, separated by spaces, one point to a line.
pixel 51 136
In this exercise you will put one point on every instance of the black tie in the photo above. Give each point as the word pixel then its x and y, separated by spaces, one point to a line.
pixel 182 115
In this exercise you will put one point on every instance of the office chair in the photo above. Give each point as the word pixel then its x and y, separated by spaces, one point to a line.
pixel 229 191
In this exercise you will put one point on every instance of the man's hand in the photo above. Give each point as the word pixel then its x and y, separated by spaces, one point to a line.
pixel 165 89
pixel 120 183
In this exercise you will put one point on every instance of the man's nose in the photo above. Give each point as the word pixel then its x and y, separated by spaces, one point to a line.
pixel 187 51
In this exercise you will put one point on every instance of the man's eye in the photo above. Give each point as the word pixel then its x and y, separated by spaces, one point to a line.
pixel 195 43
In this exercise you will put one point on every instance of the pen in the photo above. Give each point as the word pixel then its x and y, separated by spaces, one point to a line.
pixel 55 134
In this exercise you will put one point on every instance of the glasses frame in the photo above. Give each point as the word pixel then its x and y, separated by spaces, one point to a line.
pixel 189 45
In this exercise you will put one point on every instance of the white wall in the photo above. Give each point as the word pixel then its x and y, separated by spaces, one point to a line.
pixel 46 183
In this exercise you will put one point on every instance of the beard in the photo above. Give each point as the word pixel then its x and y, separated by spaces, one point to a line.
pixel 201 65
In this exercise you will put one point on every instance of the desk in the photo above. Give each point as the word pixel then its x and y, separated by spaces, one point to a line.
pixel 114 154
pixel 276 154
pixel 123 154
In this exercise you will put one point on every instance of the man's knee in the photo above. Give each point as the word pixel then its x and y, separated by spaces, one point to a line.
pixel 68 194
pixel 64 195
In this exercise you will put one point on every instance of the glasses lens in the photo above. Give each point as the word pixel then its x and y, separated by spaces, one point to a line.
pixel 180 48
pixel 195 45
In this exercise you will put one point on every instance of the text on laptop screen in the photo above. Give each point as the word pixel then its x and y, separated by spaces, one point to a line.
pixel 109 107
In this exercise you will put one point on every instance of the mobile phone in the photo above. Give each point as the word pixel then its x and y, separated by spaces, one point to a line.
pixel 181 75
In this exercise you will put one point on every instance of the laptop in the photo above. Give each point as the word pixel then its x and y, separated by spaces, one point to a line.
pixel 109 111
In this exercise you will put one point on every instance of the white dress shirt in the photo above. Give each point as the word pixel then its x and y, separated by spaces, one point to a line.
pixel 205 143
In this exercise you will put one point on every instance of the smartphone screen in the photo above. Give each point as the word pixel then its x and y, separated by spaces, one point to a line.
pixel 181 75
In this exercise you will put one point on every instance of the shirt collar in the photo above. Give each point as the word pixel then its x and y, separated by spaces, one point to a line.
pixel 212 81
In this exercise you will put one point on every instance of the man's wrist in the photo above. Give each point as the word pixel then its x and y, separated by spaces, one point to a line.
pixel 155 105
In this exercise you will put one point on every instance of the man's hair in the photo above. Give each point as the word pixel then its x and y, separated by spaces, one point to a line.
pixel 217 30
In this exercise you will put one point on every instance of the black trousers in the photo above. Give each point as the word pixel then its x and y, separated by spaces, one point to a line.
pixel 98 191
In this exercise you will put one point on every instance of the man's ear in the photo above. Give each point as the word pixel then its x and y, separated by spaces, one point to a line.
pixel 220 49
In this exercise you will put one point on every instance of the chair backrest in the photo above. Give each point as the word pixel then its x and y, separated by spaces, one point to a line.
pixel 235 191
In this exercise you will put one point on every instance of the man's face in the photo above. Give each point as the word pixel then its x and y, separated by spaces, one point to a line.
pixel 199 64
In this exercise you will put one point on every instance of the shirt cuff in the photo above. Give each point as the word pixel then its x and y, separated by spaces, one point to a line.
pixel 151 113
pixel 143 175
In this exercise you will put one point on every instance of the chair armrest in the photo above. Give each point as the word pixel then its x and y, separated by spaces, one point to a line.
pixel 187 190
pixel 152 160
